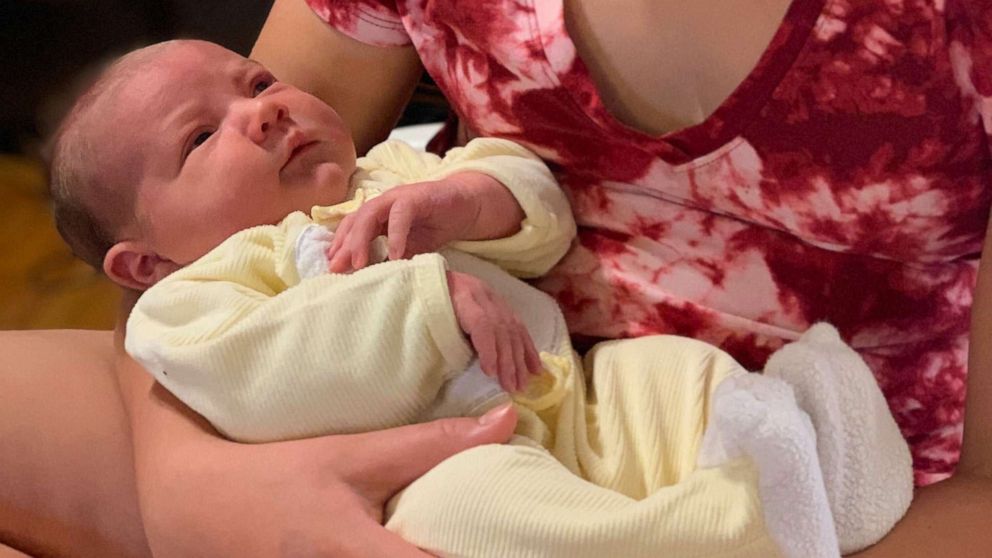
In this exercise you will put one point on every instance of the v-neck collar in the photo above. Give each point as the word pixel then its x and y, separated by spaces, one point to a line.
pixel 729 119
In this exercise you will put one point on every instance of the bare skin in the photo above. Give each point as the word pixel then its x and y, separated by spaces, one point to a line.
pixel 66 474
pixel 711 46
pixel 8 552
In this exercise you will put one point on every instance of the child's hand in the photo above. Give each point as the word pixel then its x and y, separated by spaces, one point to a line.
pixel 415 218
pixel 425 217
pixel 505 347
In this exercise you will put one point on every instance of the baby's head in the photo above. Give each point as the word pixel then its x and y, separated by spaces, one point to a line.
pixel 181 144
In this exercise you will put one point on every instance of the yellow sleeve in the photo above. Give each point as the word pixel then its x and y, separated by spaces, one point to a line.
pixel 333 354
pixel 548 227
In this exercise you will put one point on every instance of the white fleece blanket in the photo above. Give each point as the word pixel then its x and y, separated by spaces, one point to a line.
pixel 835 474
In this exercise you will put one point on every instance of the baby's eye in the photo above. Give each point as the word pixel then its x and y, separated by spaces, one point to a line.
pixel 261 85
pixel 197 141
pixel 200 138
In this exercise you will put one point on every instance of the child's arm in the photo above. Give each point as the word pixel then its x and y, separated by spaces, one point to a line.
pixel 426 216
pixel 504 346
pixel 491 198
pixel 335 353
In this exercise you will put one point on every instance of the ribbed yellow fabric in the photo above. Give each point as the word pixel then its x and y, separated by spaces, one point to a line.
pixel 265 356
pixel 547 229
pixel 262 361
pixel 633 441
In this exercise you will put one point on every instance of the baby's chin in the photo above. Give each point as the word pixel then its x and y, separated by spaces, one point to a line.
pixel 332 184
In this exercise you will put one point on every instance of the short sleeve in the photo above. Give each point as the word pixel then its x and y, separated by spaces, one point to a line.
pixel 970 25
pixel 374 22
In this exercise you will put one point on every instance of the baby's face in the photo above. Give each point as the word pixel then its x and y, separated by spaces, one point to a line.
pixel 216 145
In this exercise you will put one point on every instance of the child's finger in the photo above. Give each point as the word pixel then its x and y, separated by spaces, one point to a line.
pixel 400 220
pixel 340 236
pixel 360 256
pixel 344 236
pixel 531 355
pixel 485 346
pixel 368 225
pixel 507 367
pixel 341 232
pixel 519 362
pixel 340 262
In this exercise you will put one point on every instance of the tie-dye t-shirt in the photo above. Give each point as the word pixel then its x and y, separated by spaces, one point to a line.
pixel 845 180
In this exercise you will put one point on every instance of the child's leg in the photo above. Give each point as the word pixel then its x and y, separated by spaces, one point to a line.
pixel 867 469
pixel 635 441
pixel 507 501
pixel 647 409
pixel 654 398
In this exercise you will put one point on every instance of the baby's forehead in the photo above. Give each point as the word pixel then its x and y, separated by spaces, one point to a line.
pixel 171 74
pixel 182 60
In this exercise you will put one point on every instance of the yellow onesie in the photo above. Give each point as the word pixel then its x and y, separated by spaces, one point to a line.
pixel 261 340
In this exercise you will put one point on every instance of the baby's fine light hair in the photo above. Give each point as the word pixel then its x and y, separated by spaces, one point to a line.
pixel 89 203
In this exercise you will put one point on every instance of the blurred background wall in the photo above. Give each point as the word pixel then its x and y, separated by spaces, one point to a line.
pixel 47 47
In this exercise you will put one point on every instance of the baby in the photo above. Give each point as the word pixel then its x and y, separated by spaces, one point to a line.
pixel 235 202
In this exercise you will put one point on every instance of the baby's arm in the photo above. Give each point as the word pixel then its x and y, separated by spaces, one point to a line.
pixel 491 198
pixel 332 354
pixel 504 346
pixel 425 217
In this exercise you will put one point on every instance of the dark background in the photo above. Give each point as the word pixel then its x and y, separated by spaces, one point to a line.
pixel 46 45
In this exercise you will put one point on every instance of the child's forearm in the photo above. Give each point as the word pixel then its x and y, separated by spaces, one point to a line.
pixel 498 213
pixel 526 238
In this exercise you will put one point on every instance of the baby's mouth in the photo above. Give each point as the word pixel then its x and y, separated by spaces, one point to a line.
pixel 298 150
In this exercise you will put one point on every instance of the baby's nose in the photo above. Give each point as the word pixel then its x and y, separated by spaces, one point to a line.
pixel 264 118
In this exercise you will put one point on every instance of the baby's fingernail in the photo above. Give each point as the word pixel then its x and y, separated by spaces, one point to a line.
pixel 494 414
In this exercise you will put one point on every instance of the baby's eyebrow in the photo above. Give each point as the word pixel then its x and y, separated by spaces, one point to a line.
pixel 254 64
pixel 246 68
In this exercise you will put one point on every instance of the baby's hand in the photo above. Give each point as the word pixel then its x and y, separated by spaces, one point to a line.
pixel 415 218
pixel 505 347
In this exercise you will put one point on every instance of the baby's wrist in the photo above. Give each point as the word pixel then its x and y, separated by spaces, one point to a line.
pixel 498 215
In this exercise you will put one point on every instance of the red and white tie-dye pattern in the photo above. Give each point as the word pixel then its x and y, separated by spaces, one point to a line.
pixel 845 180
pixel 367 20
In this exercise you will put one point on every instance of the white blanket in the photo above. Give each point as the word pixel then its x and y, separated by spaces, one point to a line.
pixel 835 474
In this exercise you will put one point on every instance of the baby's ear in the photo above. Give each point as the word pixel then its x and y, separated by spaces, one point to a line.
pixel 132 265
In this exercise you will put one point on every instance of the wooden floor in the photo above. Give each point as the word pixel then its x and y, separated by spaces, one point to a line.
pixel 41 284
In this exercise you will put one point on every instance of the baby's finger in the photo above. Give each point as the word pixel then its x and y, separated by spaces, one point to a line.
pixel 531 355
pixel 341 262
pixel 400 221
pixel 519 362
pixel 507 367
pixel 367 226
pixel 485 346
pixel 340 236
pixel 360 256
